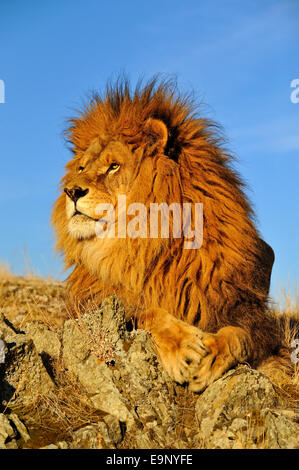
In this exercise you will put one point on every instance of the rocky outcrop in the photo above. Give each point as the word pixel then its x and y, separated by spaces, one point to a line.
pixel 24 375
pixel 120 373
pixel 130 400
pixel 242 409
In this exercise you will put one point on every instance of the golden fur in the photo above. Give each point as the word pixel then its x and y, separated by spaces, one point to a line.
pixel 206 308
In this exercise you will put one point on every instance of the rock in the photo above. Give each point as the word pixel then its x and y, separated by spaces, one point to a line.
pixel 46 341
pixel 111 431
pixel 22 429
pixel 59 445
pixel 7 330
pixel 148 391
pixel 79 343
pixel 139 397
pixel 90 437
pixel 103 435
pixel 7 434
pixel 23 375
pixel 236 411
pixel 236 393
pixel 11 430
pixel 280 432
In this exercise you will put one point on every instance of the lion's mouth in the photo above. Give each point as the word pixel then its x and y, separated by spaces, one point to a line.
pixel 82 226
pixel 84 215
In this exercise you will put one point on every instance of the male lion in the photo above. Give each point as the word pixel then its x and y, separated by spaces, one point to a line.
pixel 206 308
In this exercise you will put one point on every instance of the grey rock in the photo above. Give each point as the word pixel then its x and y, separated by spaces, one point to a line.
pixel 235 412
pixel 110 430
pixel 11 430
pixel 23 375
pixel 50 446
pixel 134 388
pixel 103 435
pixel 7 434
pixel 45 340
pixel 88 437
pixel 93 374
pixel 7 330
pixel 276 431
pixel 236 393
pixel 22 429
pixel 59 445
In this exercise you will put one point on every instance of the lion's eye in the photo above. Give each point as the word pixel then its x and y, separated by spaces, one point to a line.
pixel 81 168
pixel 113 167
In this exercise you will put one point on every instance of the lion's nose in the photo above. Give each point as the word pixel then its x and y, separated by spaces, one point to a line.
pixel 75 193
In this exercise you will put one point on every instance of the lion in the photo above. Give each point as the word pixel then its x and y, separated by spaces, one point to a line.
pixel 206 308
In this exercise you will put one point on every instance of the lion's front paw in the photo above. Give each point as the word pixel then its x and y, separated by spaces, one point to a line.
pixel 198 359
pixel 188 357
pixel 181 350
pixel 210 368
pixel 224 350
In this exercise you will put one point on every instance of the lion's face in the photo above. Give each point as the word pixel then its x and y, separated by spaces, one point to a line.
pixel 96 177
pixel 106 169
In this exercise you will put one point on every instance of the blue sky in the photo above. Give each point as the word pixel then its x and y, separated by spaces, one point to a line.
pixel 238 56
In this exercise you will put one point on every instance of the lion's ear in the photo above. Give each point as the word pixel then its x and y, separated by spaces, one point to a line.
pixel 156 132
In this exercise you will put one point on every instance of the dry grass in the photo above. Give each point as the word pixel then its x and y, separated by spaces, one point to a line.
pixel 30 298
pixel 286 311
pixel 5 271
pixel 55 416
